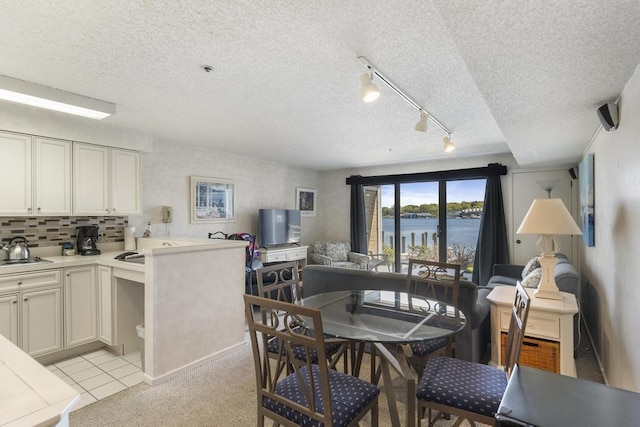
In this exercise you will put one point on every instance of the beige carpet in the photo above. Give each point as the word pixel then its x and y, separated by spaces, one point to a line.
pixel 219 393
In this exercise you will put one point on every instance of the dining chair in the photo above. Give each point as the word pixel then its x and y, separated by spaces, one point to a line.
pixel 471 390
pixel 437 281
pixel 281 282
pixel 313 394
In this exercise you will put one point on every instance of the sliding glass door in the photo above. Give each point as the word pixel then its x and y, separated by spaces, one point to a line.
pixel 433 220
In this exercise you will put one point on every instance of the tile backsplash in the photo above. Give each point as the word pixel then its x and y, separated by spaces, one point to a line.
pixel 54 231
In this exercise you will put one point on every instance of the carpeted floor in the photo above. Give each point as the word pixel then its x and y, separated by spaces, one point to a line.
pixel 219 393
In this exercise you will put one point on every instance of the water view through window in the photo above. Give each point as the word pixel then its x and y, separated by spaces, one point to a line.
pixel 421 225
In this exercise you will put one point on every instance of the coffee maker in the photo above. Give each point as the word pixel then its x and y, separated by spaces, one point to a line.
pixel 87 239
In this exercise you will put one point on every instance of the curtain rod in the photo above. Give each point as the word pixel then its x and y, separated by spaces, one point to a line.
pixel 493 169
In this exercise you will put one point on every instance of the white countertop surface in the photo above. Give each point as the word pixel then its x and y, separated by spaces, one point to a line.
pixel 147 246
pixel 29 393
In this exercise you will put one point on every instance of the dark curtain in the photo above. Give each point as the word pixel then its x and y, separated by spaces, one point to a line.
pixel 358 220
pixel 492 245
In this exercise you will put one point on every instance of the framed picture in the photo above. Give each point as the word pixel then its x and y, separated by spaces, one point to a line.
pixel 306 201
pixel 587 200
pixel 212 200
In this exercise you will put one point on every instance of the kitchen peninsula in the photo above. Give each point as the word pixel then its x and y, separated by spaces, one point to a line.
pixel 188 293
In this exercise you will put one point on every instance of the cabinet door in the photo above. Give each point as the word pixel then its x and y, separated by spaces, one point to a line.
pixel 15 188
pixel 125 182
pixel 81 306
pixel 105 305
pixel 90 180
pixel 52 175
pixel 41 316
pixel 9 317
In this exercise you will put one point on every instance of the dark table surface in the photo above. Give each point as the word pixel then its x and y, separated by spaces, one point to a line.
pixel 539 398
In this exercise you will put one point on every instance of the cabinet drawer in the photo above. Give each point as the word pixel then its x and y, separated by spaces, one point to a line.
pixel 276 257
pixel 541 326
pixel 296 254
pixel 16 282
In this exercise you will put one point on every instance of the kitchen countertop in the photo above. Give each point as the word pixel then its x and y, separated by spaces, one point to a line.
pixel 30 393
pixel 146 246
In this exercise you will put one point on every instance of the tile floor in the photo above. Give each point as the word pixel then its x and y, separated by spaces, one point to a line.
pixel 99 374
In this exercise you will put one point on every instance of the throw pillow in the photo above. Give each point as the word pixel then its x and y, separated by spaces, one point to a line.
pixel 533 279
pixel 530 266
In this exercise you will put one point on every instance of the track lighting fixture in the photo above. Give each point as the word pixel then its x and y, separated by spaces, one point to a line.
pixel 448 144
pixel 421 126
pixel 370 93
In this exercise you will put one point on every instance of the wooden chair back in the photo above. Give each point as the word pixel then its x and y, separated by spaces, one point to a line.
pixel 436 280
pixel 280 282
pixel 289 323
pixel 519 314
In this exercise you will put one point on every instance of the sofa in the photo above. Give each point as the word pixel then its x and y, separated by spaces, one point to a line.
pixel 471 342
pixel 336 254
pixel 566 276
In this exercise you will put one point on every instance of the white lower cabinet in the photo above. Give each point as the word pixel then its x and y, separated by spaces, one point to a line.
pixel 105 305
pixel 41 319
pixel 80 305
pixel 31 311
pixel 9 317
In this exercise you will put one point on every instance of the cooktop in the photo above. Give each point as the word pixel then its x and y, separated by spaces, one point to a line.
pixel 9 262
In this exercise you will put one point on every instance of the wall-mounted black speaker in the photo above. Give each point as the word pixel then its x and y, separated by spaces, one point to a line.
pixel 608 115
pixel 573 172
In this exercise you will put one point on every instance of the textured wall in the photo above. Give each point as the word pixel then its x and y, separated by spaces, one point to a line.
pixel 609 269
pixel 166 173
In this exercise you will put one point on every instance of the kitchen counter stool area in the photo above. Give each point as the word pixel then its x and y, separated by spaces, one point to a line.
pixel 99 374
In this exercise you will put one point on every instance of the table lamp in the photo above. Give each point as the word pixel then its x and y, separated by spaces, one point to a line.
pixel 549 218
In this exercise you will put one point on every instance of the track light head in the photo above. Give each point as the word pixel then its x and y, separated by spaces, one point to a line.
pixel 448 144
pixel 370 91
pixel 421 126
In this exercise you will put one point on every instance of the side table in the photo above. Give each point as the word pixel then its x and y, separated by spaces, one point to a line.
pixel 548 342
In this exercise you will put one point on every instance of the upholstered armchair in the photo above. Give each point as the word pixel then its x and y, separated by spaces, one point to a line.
pixel 336 254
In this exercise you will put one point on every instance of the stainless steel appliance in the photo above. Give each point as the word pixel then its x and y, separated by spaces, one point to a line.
pixel 87 240
pixel 36 260
pixel 17 249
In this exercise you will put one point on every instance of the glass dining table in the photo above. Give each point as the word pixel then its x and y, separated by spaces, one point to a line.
pixel 387 320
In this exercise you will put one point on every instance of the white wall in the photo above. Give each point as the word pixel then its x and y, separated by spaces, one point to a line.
pixel 609 269
pixel 334 194
pixel 259 184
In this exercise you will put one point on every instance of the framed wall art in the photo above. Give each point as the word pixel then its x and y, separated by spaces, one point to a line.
pixel 306 199
pixel 587 200
pixel 212 200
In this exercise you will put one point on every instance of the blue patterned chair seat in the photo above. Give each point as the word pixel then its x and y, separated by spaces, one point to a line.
pixel 423 348
pixel 349 396
pixel 298 352
pixel 461 384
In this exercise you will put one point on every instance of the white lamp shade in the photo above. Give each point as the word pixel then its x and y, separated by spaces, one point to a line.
pixel 548 216
pixel 370 91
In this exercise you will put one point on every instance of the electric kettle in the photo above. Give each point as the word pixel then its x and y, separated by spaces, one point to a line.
pixel 17 251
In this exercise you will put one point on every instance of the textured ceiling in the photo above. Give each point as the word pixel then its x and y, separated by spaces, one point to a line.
pixel 505 76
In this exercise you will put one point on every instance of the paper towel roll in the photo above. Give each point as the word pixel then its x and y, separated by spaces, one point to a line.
pixel 129 239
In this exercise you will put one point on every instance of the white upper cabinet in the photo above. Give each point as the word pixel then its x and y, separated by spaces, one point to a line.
pixel 106 181
pixel 15 188
pixel 52 176
pixel 125 182
pixel 37 176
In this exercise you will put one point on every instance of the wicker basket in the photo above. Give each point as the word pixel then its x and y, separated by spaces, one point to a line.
pixel 537 353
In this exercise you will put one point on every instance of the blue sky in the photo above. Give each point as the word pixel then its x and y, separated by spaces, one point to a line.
pixel 427 192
